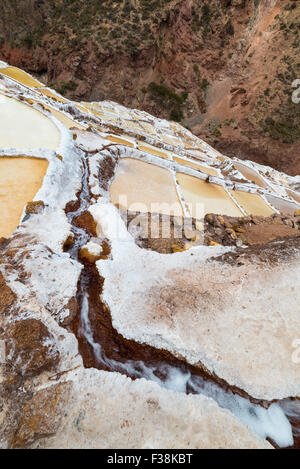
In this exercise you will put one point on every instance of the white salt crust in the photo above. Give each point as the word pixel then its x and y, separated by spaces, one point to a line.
pixel 227 318
pixel 237 321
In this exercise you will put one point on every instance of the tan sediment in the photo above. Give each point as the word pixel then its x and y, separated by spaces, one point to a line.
pixel 119 140
pixel 153 151
pixel 294 195
pixel 23 127
pixel 222 158
pixel 98 113
pixel 195 165
pixel 145 184
pixel 147 127
pixel 83 105
pixel 251 174
pixel 206 197
pixel 107 109
pixel 84 108
pixel 20 179
pixel 170 140
pixel 253 204
pixel 52 95
pixel 86 104
pixel 21 77
pixel 66 121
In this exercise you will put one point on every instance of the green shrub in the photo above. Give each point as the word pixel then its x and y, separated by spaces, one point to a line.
pixel 28 41
pixel 65 86
pixel 206 14
pixel 204 84
pixel 163 93
pixel 229 28
pixel 287 131
pixel 168 99
pixel 176 115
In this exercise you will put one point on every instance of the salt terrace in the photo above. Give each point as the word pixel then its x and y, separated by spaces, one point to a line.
pixel 67 173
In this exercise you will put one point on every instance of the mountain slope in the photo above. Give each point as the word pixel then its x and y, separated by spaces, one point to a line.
pixel 225 68
pixel 113 328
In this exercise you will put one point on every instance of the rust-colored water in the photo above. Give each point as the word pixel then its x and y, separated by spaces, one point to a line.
pixel 20 180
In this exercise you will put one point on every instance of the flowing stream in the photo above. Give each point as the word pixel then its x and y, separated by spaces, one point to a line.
pixel 102 347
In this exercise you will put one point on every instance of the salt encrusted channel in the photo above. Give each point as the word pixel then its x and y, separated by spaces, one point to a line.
pixel 268 422
pixel 53 280
pixel 265 422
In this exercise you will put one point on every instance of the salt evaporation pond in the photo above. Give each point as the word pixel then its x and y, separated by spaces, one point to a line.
pixel 203 197
pixel 253 204
pixel 25 128
pixel 195 165
pixel 251 174
pixel 284 206
pixel 20 180
pixel 140 186
pixel 21 77
pixel 153 151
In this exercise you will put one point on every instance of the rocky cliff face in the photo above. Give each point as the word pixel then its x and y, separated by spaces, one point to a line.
pixel 224 68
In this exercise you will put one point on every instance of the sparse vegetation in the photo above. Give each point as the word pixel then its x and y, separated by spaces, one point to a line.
pixel 229 28
pixel 204 84
pixel 214 127
pixel 166 94
pixel 28 40
pixel 168 99
pixel 90 36
pixel 176 115
pixel 286 127
pixel 65 86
